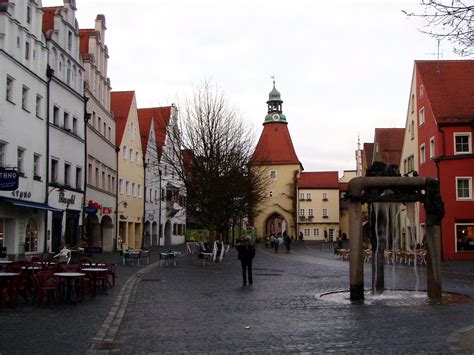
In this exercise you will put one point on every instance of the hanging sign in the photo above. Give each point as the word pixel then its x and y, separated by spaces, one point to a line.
pixel 9 179
pixel 106 210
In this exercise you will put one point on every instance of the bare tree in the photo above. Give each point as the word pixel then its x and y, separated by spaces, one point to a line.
pixel 449 19
pixel 218 146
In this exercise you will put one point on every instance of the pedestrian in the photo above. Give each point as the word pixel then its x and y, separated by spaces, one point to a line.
pixel 246 253
pixel 272 240
pixel 301 236
pixel 267 241
pixel 287 243
pixel 276 244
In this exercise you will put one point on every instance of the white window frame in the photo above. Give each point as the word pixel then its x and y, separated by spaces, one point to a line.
pixel 301 212
pixel 469 142
pixel 273 174
pixel 54 170
pixel 3 153
pixel 422 153
pixel 36 165
pixel 38 105
pixel 432 147
pixel 120 186
pixel 25 93
pixel 20 159
pixel 67 174
pixel 421 116
pixel 308 196
pixel 301 195
pixel 10 83
pixel 310 212
pixel 127 188
pixel 422 91
pixel 463 198
pixel 78 177
pixel 325 212
pixel 306 232
pixel 316 232
pixel 124 153
pixel 134 192
pixel 325 195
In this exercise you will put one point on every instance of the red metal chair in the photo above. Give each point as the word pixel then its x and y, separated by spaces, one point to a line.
pixel 45 284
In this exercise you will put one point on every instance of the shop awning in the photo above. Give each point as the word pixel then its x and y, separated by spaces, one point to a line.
pixel 29 204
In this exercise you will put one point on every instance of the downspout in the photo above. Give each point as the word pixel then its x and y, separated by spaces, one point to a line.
pixel 159 215
pixel 87 117
pixel 117 150
pixel 49 75
pixel 144 200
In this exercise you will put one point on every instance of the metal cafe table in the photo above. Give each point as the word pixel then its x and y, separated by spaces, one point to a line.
pixel 4 263
pixel 5 283
pixel 69 277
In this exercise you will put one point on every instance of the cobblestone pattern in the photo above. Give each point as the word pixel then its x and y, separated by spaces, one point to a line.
pixel 191 309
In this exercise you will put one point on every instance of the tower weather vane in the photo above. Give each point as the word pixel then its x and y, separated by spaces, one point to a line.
pixel 273 77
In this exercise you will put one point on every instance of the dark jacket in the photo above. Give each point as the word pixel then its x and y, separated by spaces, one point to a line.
pixel 246 251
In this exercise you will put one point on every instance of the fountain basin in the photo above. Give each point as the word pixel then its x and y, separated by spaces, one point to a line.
pixel 396 298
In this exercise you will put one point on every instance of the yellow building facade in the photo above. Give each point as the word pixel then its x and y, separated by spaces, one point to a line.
pixel 130 202
pixel 276 158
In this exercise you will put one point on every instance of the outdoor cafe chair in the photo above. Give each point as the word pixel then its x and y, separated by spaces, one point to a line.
pixel 45 285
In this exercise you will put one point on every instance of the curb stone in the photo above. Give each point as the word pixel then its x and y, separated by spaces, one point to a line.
pixel 104 342
pixel 454 340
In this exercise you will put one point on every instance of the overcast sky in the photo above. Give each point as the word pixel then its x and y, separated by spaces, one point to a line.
pixel 343 67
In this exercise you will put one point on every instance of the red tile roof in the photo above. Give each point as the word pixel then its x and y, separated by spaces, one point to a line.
pixel 449 85
pixel 369 153
pixel 390 143
pixel 48 17
pixel 275 146
pixel 120 102
pixel 343 186
pixel 161 117
pixel 319 179
pixel 84 41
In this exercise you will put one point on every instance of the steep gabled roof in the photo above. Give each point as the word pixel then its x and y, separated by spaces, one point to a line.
pixel 161 117
pixel 48 17
pixel 84 41
pixel 120 103
pixel 369 152
pixel 389 142
pixel 319 180
pixel 449 85
pixel 275 146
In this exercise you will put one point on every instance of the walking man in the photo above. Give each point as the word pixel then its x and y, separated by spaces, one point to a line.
pixel 246 253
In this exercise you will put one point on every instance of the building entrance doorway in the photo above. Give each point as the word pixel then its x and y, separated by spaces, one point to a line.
pixel 275 224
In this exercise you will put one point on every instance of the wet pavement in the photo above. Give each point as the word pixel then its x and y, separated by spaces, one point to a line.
pixel 206 310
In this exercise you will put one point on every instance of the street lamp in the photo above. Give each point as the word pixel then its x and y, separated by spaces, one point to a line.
pixel 125 204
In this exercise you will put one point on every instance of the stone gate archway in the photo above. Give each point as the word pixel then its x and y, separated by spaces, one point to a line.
pixel 275 224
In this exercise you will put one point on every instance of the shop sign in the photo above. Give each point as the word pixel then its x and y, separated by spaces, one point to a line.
pixel 9 179
pixel 68 201
pixel 106 210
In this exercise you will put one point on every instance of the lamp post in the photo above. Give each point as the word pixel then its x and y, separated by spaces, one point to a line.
pixel 117 229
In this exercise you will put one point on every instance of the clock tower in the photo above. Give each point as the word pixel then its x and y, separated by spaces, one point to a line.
pixel 275 157
pixel 274 103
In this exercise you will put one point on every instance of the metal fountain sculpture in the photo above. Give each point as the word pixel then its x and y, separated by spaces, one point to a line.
pixel 383 183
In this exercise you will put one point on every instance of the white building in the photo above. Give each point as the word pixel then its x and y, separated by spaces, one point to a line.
pixel 165 212
pixel 23 95
pixel 101 188
pixel 66 126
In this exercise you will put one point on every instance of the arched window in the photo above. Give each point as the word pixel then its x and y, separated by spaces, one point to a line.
pixel 31 236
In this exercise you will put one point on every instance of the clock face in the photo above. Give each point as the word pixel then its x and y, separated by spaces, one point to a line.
pixel 276 117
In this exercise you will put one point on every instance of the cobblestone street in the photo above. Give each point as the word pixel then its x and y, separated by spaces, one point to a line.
pixel 194 309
